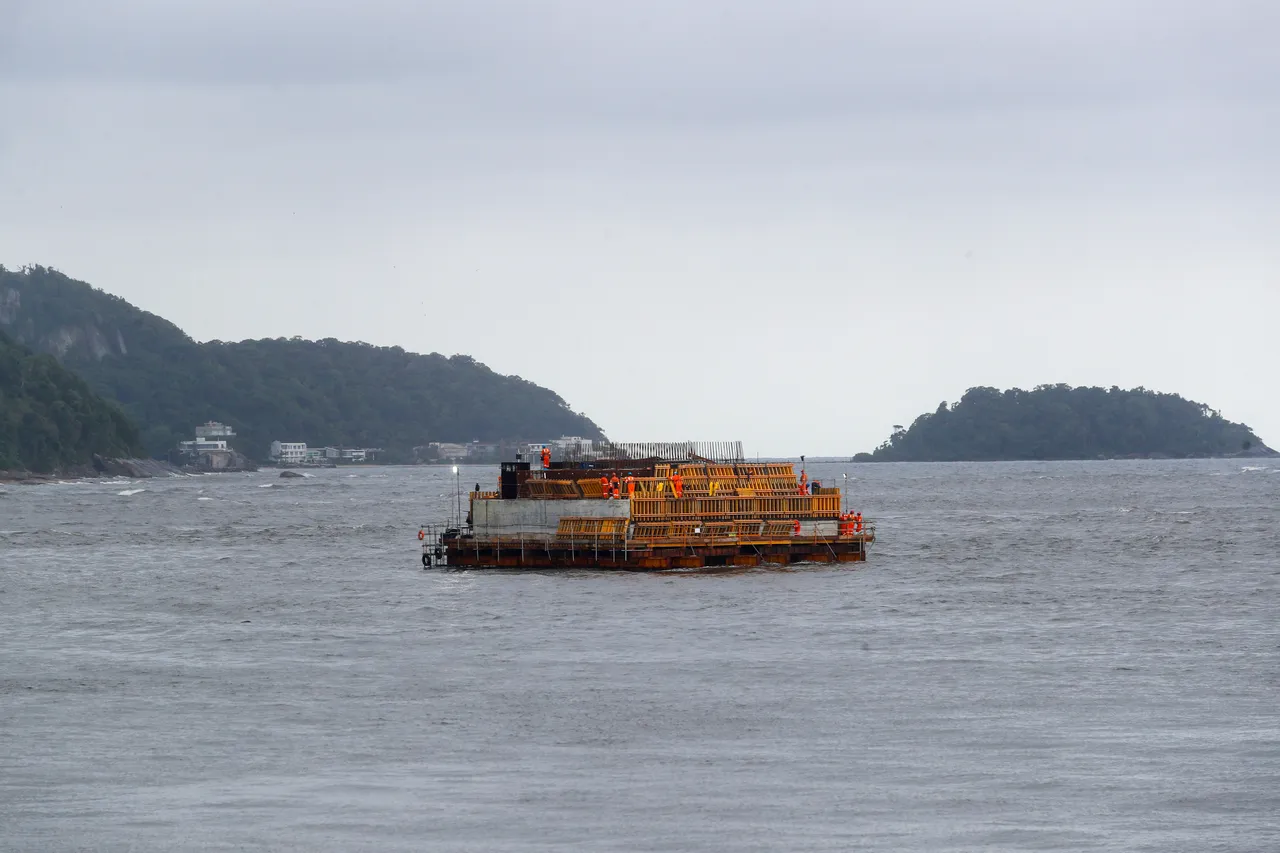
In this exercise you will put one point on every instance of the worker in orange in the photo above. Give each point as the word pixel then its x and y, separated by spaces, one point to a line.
pixel 843 527
pixel 631 485
pixel 857 522
pixel 615 488
pixel 677 483
pixel 795 527
pixel 604 486
pixel 546 457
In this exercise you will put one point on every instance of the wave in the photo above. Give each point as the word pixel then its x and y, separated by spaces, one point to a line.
pixel 1253 468
pixel 129 492
pixel 204 499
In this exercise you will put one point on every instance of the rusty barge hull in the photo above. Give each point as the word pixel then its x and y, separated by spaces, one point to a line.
pixel 641 557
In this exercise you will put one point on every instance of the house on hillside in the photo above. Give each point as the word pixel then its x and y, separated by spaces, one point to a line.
pixel 210 450
pixel 213 429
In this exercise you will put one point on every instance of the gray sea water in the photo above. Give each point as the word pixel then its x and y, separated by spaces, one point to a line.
pixel 1063 656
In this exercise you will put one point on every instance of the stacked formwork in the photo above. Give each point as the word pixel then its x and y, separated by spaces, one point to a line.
pixel 728 514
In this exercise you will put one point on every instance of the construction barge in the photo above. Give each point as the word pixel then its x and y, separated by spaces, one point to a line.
pixel 673 509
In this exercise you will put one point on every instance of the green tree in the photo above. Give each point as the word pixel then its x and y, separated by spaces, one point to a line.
pixel 49 418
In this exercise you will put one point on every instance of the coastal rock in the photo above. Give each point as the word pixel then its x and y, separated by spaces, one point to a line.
pixel 134 469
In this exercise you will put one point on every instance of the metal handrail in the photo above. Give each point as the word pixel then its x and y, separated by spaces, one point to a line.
pixel 542 537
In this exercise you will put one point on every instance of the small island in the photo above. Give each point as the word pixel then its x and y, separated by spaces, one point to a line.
pixel 1062 422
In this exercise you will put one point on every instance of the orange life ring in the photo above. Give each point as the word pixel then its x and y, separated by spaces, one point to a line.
pixel 421 536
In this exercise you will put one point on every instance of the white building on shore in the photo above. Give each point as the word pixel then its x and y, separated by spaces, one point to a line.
pixel 289 452
pixel 297 453
pixel 202 445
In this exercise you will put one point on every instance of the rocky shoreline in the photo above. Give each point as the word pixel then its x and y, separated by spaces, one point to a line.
pixel 134 469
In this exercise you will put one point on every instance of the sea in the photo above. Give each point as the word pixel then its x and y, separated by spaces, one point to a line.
pixel 1065 656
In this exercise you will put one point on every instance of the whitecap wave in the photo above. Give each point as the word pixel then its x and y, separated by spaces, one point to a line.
pixel 130 492
pixel 1253 468
pixel 204 499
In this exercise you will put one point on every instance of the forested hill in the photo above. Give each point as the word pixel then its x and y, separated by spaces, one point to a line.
pixel 321 392
pixel 49 418
pixel 1061 422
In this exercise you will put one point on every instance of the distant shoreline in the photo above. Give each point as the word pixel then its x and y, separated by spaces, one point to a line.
pixel 1255 453
pixel 29 478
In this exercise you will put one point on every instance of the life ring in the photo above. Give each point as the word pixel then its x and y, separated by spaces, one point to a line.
pixel 421 535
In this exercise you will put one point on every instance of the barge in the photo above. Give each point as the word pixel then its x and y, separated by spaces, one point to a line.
pixel 649 507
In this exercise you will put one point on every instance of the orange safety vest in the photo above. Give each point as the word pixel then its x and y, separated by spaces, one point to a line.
pixel 857 522
pixel 631 485
pixel 795 527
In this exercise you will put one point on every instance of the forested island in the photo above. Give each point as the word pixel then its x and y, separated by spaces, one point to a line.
pixel 1062 422
pixel 49 417
pixel 325 392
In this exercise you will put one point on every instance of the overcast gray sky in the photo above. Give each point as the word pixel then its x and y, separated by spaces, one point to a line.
pixel 791 223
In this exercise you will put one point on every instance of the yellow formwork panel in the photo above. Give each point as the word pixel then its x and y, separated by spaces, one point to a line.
pixel 592 528
pixel 652 530
pixel 591 488
pixel 725 508
pixel 552 489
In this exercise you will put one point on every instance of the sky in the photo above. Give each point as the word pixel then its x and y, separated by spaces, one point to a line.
pixel 794 224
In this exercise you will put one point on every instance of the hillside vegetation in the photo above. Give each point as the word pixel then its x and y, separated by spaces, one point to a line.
pixel 1061 422
pixel 49 418
pixel 322 392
